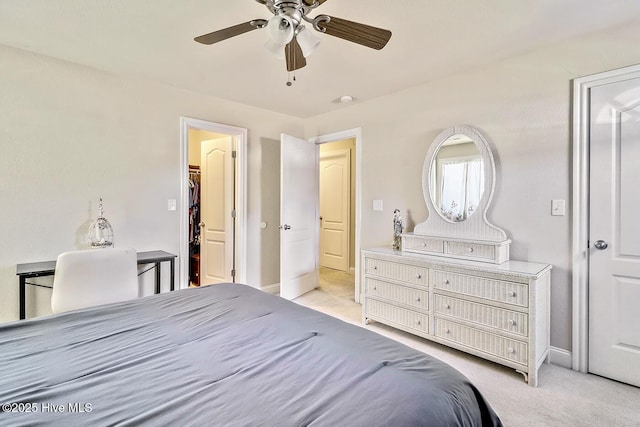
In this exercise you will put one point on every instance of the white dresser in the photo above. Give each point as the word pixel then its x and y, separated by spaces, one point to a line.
pixel 499 312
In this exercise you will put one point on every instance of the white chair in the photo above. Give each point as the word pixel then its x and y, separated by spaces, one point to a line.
pixel 92 277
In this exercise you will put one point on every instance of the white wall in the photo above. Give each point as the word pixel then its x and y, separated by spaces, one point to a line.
pixel 522 105
pixel 71 134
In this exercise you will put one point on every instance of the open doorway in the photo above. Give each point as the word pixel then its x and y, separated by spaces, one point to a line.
pixel 213 236
pixel 337 165
pixel 211 208
pixel 339 193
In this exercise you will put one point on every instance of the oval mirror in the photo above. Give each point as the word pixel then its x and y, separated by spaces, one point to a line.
pixel 457 178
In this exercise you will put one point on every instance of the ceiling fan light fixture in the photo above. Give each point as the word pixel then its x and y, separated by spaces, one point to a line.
pixel 281 29
pixel 275 49
pixel 307 40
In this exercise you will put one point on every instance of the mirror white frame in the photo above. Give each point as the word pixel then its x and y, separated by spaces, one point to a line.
pixel 476 226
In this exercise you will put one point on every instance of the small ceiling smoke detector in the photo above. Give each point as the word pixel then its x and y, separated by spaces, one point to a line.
pixel 346 98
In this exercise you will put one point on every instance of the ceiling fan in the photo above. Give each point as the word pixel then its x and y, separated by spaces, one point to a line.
pixel 290 39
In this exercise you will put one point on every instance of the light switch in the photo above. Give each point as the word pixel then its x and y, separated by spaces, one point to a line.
pixel 171 204
pixel 557 207
pixel 378 205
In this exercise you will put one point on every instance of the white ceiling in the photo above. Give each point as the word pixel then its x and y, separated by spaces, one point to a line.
pixel 153 39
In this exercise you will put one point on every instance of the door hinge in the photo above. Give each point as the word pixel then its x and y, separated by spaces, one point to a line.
pixel 234 154
pixel 233 273
pixel 233 213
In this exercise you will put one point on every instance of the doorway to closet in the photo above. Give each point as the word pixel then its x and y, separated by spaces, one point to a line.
pixel 214 228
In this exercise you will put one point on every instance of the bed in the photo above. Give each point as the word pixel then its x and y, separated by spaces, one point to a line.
pixel 223 355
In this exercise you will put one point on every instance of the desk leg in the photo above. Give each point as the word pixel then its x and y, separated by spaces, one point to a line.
pixel 23 282
pixel 158 271
pixel 173 274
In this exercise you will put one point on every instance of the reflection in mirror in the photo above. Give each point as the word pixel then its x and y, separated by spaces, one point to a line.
pixel 457 178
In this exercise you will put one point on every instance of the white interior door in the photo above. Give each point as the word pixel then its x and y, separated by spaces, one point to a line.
pixel 335 197
pixel 614 231
pixel 216 206
pixel 298 216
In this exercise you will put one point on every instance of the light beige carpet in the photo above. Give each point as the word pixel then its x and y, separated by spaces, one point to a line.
pixel 563 398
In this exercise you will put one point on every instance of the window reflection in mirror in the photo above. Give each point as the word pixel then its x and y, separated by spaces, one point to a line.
pixel 457 178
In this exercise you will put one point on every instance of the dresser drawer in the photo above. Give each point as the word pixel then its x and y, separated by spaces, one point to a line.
pixel 421 244
pixel 393 270
pixel 396 293
pixel 397 316
pixel 472 250
pixel 483 341
pixel 491 289
pixel 486 315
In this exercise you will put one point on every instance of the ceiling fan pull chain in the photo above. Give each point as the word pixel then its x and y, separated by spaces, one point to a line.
pixel 288 49
pixel 289 81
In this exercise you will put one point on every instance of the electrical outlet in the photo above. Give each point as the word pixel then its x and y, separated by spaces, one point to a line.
pixel 171 205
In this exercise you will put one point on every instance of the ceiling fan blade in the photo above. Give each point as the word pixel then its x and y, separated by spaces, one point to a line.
pixel 366 35
pixel 229 32
pixel 293 54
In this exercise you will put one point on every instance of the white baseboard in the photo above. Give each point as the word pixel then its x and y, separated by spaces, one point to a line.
pixel 561 357
pixel 271 289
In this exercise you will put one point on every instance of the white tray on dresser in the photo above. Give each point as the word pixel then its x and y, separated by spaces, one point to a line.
pixel 499 312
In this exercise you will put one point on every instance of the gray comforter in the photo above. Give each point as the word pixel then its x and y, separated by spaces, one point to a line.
pixel 224 355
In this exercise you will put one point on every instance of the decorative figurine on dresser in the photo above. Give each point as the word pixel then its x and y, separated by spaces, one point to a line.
pixel 453 282
pixel 397 229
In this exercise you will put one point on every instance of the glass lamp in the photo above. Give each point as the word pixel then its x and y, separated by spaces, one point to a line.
pixel 281 31
pixel 101 232
pixel 308 40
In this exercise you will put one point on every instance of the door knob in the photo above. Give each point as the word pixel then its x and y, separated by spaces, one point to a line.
pixel 285 227
pixel 201 224
pixel 600 244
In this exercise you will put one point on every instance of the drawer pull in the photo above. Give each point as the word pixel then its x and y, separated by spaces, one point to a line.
pixel 470 250
pixel 375 288
pixel 418 299
pixel 424 244
pixel 511 293
pixel 418 276
pixel 446 281
pixel 418 322
pixel 448 307
pixel 511 350
pixel 447 331
pixel 512 322
pixel 375 267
